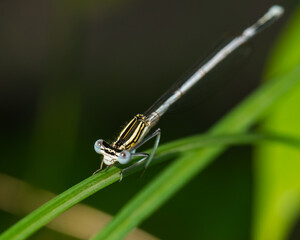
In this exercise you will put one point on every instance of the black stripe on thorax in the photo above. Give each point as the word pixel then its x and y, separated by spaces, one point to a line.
pixel 137 123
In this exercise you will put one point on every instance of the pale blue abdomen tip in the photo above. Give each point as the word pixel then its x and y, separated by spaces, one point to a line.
pixel 276 10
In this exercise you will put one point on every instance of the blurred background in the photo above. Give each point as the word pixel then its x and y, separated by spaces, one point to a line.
pixel 72 72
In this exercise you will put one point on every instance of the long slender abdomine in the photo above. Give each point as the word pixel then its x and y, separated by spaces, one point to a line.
pixel 273 13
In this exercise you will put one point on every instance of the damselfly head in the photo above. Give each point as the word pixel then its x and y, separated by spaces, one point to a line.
pixel 110 154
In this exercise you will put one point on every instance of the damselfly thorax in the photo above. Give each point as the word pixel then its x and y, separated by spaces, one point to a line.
pixel 133 133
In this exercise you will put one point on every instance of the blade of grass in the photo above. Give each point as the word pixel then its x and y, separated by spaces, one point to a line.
pixel 59 204
pixel 241 118
pixel 186 167
pixel 79 222
pixel 67 199
pixel 202 140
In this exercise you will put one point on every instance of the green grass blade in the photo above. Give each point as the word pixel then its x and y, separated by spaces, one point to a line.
pixel 67 199
pixel 180 172
pixel 59 204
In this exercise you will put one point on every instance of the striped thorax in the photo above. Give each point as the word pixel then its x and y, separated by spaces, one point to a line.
pixel 121 149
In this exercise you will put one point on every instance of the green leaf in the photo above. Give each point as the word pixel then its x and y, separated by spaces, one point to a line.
pixel 34 221
pixel 277 196
pixel 67 199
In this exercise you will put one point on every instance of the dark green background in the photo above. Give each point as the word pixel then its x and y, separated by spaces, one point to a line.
pixel 75 71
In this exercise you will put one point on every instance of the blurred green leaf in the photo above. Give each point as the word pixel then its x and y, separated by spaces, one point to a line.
pixel 277 196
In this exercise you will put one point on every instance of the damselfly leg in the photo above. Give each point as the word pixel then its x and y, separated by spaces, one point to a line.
pixel 126 171
pixel 98 170
pixel 146 157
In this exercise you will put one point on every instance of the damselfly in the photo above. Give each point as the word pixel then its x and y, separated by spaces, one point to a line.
pixel 135 132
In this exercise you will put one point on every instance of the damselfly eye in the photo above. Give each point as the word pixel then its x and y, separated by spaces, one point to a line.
pixel 124 157
pixel 97 146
